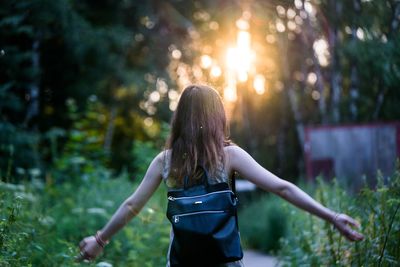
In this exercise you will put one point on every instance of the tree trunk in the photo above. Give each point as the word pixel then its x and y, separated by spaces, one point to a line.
pixel 380 98
pixel 294 106
pixel 321 89
pixel 251 142
pixel 354 94
pixel 291 94
pixel 395 19
pixel 354 91
pixel 394 24
pixel 336 77
pixel 33 91
pixel 110 129
pixel 309 38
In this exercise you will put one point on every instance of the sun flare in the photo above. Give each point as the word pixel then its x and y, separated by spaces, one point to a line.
pixel 240 58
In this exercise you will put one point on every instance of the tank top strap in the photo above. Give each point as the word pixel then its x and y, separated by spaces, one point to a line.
pixel 219 176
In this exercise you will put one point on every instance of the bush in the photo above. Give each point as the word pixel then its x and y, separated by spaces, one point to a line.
pixel 262 223
pixel 313 242
pixel 26 236
pixel 41 225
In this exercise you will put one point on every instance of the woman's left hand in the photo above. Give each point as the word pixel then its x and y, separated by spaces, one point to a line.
pixel 89 249
pixel 344 224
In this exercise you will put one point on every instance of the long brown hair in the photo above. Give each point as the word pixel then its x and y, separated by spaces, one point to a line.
pixel 199 132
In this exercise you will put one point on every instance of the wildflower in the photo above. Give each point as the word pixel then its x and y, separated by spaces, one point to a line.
pixel 150 210
pixel 103 264
pixel 99 211
pixel 47 220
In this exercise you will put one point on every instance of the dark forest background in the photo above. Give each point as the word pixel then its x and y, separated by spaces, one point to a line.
pixel 92 66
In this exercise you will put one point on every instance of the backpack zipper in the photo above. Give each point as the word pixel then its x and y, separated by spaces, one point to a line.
pixel 175 218
pixel 171 198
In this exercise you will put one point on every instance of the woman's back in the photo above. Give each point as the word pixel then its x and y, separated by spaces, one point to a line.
pixel 220 175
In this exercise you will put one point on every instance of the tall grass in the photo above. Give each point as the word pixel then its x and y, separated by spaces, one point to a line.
pixel 42 226
pixel 313 242
pixel 42 222
pixel 262 223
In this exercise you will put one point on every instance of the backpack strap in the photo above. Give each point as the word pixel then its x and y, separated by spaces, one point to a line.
pixel 233 182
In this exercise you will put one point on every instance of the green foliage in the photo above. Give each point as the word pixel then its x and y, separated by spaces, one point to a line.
pixel 83 151
pixel 67 50
pixel 18 151
pixel 143 153
pixel 144 240
pixel 262 223
pixel 41 225
pixel 26 235
pixel 381 215
pixel 313 242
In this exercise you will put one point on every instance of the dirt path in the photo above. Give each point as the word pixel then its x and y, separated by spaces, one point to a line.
pixel 256 259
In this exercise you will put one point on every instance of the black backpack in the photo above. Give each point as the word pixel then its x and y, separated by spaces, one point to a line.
pixel 205 225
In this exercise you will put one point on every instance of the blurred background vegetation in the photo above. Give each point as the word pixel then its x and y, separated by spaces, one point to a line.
pixel 87 89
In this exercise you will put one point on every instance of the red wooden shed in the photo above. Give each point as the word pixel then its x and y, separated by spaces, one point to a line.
pixel 350 151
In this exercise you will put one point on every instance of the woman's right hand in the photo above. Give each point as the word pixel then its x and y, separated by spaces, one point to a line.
pixel 89 249
pixel 343 223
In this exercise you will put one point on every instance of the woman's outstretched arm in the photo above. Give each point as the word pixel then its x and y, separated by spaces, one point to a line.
pixel 92 246
pixel 243 163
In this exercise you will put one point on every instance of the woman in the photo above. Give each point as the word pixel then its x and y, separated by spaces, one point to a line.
pixel 199 136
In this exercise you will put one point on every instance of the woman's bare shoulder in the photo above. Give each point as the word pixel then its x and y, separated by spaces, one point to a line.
pixel 161 156
pixel 232 154
pixel 233 150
